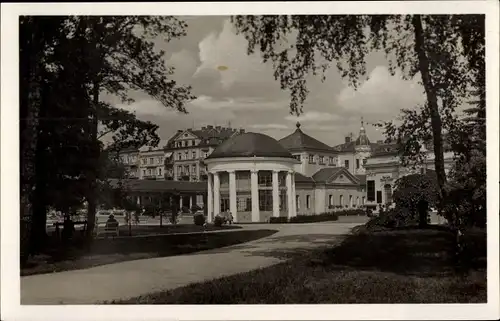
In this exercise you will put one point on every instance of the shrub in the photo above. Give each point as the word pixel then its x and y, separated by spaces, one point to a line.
pixel 353 212
pixel 323 217
pixel 218 221
pixel 199 219
pixel 397 217
pixel 278 220
pixel 185 209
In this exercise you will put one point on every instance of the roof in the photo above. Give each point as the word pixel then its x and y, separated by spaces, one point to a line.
pixel 209 135
pixel 300 141
pixel 362 179
pixel 325 173
pixel 249 145
pixel 300 178
pixel 144 185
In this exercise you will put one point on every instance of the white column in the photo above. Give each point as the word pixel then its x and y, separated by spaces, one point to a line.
pixel 210 198
pixel 276 195
pixel 294 198
pixel 289 192
pixel 191 201
pixel 216 194
pixel 181 204
pixel 232 194
pixel 255 196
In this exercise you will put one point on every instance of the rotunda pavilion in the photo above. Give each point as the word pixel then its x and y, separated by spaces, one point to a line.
pixel 252 176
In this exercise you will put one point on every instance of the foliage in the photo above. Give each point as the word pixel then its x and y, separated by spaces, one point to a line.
pixel 278 220
pixel 67 63
pixel 218 220
pixel 445 51
pixel 393 218
pixel 355 212
pixel 199 219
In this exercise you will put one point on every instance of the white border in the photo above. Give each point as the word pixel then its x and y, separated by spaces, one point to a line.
pixel 12 310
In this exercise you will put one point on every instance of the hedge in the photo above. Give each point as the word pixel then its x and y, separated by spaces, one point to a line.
pixel 323 217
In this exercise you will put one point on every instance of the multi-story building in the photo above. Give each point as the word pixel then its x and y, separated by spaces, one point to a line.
pixel 188 148
pixel 130 159
pixel 152 164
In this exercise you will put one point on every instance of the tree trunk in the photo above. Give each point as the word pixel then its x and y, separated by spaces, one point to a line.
pixel 92 192
pixel 432 104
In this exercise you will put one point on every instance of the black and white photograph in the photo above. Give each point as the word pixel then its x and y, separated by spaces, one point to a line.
pixel 256 160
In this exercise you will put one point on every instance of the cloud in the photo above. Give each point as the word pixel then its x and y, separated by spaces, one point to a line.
pixel 243 103
pixel 381 95
pixel 313 116
pixel 149 107
pixel 269 126
pixel 226 53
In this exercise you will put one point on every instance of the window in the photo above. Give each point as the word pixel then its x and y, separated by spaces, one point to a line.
pixel 150 172
pixel 379 197
pixel 179 156
pixel 331 160
pixel 321 160
pixel 224 204
pixel 179 170
pixel 311 159
pixel 370 190
pixel 186 170
pixel 308 201
pixel 297 157
pixel 297 201
pixel 346 163
pixel 194 154
pixel 193 169
pixel 265 200
pixel 144 172
pixel 388 193
pixel 151 160
pixel 242 204
pixel 330 200
pixel 144 161
pixel 265 178
pixel 357 163
pixel 186 155
pixel 364 161
pixel 363 200
pixel 159 171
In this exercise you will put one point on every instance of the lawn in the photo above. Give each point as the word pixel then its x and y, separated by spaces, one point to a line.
pixel 170 229
pixel 107 251
pixel 397 266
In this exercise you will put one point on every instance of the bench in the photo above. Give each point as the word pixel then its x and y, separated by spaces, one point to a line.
pixel 109 229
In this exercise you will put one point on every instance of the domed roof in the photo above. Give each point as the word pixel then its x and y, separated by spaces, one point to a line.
pixel 362 139
pixel 249 145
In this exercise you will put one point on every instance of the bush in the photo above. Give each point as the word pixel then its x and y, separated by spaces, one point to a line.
pixel 353 212
pixel 199 219
pixel 278 220
pixel 397 217
pixel 323 217
pixel 185 209
pixel 218 221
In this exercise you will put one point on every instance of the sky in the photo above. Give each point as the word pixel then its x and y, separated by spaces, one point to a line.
pixel 246 95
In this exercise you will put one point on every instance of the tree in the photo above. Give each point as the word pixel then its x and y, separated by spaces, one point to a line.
pixel 439 48
pixel 70 62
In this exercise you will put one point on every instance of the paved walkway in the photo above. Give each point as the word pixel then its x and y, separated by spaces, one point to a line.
pixel 130 279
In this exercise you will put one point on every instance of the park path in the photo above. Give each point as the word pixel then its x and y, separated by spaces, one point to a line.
pixel 133 278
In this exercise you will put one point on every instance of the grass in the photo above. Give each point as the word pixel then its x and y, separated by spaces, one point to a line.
pixel 107 251
pixel 397 266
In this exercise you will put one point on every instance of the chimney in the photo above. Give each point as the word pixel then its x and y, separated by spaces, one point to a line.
pixel 242 131
pixel 348 139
